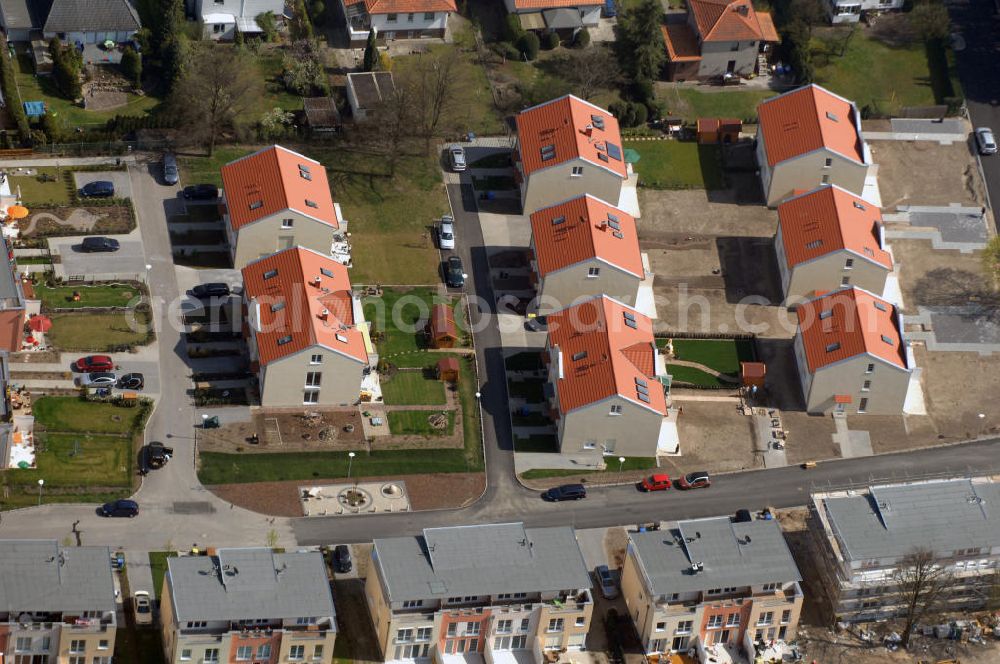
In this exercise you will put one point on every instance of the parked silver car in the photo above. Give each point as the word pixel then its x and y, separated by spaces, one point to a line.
pixel 457 157
pixel 446 232
pixel 170 173
pixel 609 589
pixel 97 379
pixel 986 141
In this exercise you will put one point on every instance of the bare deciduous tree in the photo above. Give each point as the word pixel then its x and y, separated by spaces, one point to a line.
pixel 922 587
pixel 430 87
pixel 219 87
pixel 588 70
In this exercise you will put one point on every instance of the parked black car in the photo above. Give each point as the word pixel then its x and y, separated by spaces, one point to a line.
pixel 131 381
pixel 342 559
pixel 157 455
pixel 128 508
pixel 98 189
pixel 200 192
pixel 99 244
pixel 454 273
pixel 565 492
pixel 204 291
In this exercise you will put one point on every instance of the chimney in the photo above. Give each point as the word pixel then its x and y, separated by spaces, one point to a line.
pixel 317 280
pixel 323 314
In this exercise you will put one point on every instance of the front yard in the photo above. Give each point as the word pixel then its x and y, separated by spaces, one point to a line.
pixel 47 186
pixel 671 164
pixel 104 332
pixel 84 452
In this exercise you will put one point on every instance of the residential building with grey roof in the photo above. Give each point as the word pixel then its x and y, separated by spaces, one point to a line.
pixel 709 584
pixel 250 604
pixel 500 592
pixel 861 538
pixel 57 603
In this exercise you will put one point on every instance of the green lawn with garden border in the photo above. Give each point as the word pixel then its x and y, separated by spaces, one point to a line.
pixel 631 463
pixel 672 164
pixel 99 332
pixel 412 388
pixel 104 295
pixel 415 423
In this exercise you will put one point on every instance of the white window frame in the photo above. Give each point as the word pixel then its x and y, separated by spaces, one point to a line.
pixel 310 397
pixel 576 172
pixel 287 223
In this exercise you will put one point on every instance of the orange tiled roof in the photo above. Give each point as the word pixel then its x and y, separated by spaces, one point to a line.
pixel 289 304
pixel 848 323
pixel 830 219
pixel 404 6
pixel 681 42
pixel 273 180
pixel 560 127
pixel 585 232
pixel 808 119
pixel 730 20
pixel 611 356
pixel 553 4
pixel 767 30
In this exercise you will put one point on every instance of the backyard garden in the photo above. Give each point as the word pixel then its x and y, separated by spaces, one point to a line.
pixel 706 363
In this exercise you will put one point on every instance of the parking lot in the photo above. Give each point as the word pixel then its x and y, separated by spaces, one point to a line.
pixel 128 260
pixel 123 188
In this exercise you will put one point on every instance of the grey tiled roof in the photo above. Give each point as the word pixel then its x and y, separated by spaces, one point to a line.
pixel 92 15
pixel 731 555
pixel 371 88
pixel 892 520
pixel 246 584
pixel 23 14
pixel 43 576
pixel 481 560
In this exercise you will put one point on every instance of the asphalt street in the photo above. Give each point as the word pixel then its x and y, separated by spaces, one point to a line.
pixel 979 70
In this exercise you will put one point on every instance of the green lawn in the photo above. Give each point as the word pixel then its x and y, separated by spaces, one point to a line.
pixel 397 314
pixel 199 169
pixel 412 388
pixel 218 468
pixel 61 297
pixel 42 88
pixel 76 415
pixel 723 355
pixel 414 423
pixel 672 164
pixel 631 463
pixel 97 332
pixel 692 104
pixel 271 63
pixel 158 566
pixel 872 73
pixel 36 192
pixel 682 374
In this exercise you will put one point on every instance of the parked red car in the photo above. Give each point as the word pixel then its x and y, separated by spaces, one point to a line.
pixel 93 363
pixel 655 483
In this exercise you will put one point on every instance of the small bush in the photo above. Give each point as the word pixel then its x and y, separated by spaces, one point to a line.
pixel 268 26
pixel 506 50
pixel 132 66
pixel 512 30
pixel 528 45
pixel 550 41
pixel 582 38
pixel 640 114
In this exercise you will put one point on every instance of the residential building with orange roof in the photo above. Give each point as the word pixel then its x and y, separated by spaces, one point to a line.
pixel 850 11
pixel 562 16
pixel 716 38
pixel 585 247
pixel 308 340
pixel 275 199
pixel 396 19
pixel 569 147
pixel 607 382
pixel 852 355
pixel 810 137
pixel 827 239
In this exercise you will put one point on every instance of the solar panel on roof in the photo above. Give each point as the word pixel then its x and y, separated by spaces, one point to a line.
pixel 641 390
pixel 643 398
pixel 614 151
pixel 618 235
pixel 632 324
pixel 640 382
pixel 614 224
pixel 597 121
pixel 612 217
pixel 628 315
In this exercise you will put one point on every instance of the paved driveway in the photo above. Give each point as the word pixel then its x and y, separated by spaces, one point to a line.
pixel 128 260
pixel 123 188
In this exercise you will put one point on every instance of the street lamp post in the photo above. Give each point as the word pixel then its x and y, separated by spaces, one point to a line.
pixel 350 463
pixel 41 483
pixel 982 422
pixel 621 467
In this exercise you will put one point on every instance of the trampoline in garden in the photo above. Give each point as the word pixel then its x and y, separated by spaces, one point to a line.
pixel 34 109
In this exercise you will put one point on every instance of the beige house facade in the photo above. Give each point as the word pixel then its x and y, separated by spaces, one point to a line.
pixel 283 612
pixel 582 248
pixel 566 148
pixel 808 138
pixel 276 199
pixel 851 354
pixel 529 593
pixel 696 586
pixel 58 602
pixel 305 330
pixel 861 539
pixel 829 239
pixel 607 382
